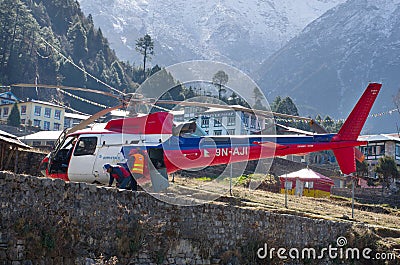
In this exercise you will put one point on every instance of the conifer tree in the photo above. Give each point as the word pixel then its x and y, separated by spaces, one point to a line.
pixel 14 119
pixel 145 46
pixel 220 79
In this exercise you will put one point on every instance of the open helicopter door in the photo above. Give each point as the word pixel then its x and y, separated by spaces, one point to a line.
pixel 82 160
pixel 157 169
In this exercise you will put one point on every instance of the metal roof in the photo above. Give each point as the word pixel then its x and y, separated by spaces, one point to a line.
pixel 12 140
pixel 379 137
pixel 76 116
pixel 42 135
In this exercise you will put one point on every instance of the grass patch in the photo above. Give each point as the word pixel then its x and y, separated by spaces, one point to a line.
pixel 205 178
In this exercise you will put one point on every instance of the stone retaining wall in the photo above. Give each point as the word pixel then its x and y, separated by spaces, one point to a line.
pixel 45 221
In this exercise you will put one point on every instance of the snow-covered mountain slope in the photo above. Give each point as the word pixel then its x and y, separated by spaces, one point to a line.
pixel 239 32
pixel 326 67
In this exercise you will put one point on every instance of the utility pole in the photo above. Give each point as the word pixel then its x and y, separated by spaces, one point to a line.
pixel 230 180
pixel 352 196
pixel 286 191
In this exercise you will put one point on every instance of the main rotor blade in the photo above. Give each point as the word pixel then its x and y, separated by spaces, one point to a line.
pixel 241 108
pixel 67 88
pixel 317 127
pixel 92 118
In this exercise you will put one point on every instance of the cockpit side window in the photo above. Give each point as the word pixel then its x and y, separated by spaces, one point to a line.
pixel 85 146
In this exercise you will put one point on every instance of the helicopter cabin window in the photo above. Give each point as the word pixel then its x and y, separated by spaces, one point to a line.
pixel 86 146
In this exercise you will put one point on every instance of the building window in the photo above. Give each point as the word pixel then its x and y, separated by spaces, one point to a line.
pixel 218 122
pixel 205 122
pixel 38 110
pixel 23 110
pixel 217 132
pixel 46 125
pixel 85 146
pixel 309 184
pixel 5 112
pixel 57 114
pixel 36 123
pixel 253 122
pixel 373 151
pixel 230 131
pixel 246 120
pixel 288 185
pixel 231 121
pixel 47 112
pixel 36 143
pixel 56 126
pixel 50 143
pixel 67 123
pixel 0 111
pixel 23 121
pixel 397 151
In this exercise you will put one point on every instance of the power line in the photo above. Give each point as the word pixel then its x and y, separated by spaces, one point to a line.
pixel 83 99
pixel 81 69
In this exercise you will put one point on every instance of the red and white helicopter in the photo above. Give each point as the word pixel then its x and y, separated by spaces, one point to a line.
pixel 157 136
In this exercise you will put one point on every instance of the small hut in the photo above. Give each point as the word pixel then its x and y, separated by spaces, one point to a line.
pixel 9 148
pixel 306 182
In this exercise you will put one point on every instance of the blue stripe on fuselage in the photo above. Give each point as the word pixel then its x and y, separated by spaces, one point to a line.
pixel 187 143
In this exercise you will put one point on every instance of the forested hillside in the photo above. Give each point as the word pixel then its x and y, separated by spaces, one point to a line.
pixel 26 26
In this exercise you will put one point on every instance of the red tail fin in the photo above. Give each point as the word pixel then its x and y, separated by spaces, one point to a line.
pixel 346 157
pixel 352 127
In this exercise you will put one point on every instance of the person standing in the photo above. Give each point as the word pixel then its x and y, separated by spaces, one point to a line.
pixel 137 162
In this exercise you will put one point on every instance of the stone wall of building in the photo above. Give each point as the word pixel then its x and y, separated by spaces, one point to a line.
pixel 28 162
pixel 45 221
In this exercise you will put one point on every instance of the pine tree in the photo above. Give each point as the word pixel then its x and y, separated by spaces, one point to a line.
pixel 220 79
pixel 14 119
pixel 145 46
pixel 386 170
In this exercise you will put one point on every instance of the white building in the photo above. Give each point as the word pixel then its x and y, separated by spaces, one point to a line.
pixel 41 139
pixel 44 115
pixel 72 119
pixel 215 121
pixel 380 145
